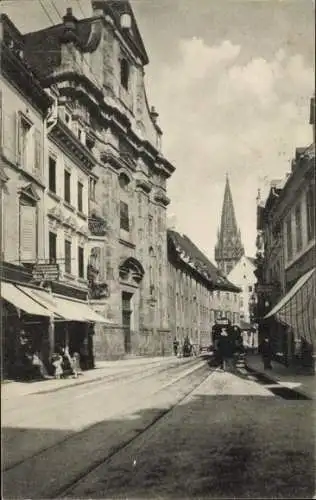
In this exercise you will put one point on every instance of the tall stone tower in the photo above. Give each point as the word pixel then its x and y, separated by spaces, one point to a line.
pixel 229 248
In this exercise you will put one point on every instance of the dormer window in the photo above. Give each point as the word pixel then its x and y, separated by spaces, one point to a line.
pixel 124 73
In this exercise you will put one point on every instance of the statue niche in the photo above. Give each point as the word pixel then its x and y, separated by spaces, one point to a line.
pixel 98 289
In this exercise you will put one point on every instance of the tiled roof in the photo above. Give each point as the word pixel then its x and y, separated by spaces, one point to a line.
pixel 191 255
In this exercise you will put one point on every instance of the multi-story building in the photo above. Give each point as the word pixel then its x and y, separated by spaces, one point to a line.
pixel 229 248
pixel 198 293
pixel 44 232
pixel 286 261
pixel 242 275
pixel 97 66
pixel 24 105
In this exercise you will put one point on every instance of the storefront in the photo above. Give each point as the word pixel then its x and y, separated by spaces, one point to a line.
pixel 48 321
pixel 296 312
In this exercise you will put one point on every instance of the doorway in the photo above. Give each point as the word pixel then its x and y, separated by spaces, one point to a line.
pixel 126 320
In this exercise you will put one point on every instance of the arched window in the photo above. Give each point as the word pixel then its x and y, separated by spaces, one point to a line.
pixel 123 180
pixel 124 73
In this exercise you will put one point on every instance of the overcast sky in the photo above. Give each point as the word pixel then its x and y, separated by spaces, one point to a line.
pixel 231 80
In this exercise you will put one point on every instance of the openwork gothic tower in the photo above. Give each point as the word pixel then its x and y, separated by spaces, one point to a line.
pixel 229 248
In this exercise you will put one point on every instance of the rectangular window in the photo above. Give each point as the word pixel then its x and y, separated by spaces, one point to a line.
pixel 28 233
pixel 298 227
pixel 24 129
pixel 92 187
pixel 67 179
pixel 124 219
pixel 249 288
pixel 80 197
pixel 80 262
pixel 289 241
pixel 52 174
pixel 52 248
pixel 310 212
pixel 227 295
pixel 68 256
pixel 37 167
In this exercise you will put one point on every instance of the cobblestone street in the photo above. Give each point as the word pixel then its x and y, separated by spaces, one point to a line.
pixel 174 430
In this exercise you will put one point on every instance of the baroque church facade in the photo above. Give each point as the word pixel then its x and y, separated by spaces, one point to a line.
pixel 95 67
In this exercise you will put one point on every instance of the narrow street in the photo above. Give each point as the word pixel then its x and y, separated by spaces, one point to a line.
pixel 175 429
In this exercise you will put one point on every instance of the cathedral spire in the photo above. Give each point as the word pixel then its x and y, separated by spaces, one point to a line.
pixel 229 248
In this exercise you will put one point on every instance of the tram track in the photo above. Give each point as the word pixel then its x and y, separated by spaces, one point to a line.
pixel 163 413
pixel 137 377
pixel 107 445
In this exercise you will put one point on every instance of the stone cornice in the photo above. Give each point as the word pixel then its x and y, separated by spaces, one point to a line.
pixel 143 185
pixel 80 153
pixel 117 162
pixel 110 116
pixel 161 197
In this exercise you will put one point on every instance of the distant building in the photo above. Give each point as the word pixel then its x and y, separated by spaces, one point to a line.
pixel 242 275
pixel 198 293
pixel 229 248
pixel 286 262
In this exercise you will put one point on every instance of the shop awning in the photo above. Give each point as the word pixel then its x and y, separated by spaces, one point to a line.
pixel 68 309
pixel 78 311
pixel 42 297
pixel 19 299
pixel 297 308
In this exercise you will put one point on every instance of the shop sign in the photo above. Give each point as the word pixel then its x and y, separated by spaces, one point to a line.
pixel 97 226
pixel 222 321
pixel 265 288
pixel 47 272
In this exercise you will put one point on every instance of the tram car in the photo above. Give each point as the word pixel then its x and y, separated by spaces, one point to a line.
pixel 234 334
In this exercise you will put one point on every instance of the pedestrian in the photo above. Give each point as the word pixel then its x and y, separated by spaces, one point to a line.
pixel 266 353
pixel 175 346
pixel 225 348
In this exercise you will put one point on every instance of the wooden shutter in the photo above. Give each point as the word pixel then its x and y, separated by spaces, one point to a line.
pixel 1 120
pixel 37 153
pixel 17 135
pixel 27 233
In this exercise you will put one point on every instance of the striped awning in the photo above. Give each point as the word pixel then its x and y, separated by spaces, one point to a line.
pixel 297 308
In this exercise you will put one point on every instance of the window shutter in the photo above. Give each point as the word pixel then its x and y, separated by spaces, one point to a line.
pixel 37 152
pixel 27 233
pixel 1 120
pixel 17 145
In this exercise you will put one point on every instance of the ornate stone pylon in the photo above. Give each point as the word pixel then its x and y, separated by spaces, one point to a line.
pixel 229 248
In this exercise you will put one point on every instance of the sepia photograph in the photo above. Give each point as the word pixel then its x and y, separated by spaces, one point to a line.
pixel 157 249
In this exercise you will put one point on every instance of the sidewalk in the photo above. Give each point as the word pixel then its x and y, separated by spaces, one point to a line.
pixel 103 369
pixel 280 374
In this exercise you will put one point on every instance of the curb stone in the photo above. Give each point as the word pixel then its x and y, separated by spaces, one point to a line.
pixel 299 392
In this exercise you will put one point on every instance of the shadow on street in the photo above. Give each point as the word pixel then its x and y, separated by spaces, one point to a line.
pixel 221 446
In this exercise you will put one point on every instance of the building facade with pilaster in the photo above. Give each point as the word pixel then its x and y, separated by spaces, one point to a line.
pixel 198 292
pixel 286 262
pixel 97 66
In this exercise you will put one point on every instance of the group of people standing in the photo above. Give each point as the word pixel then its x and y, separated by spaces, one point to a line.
pixel 186 349
pixel 29 364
